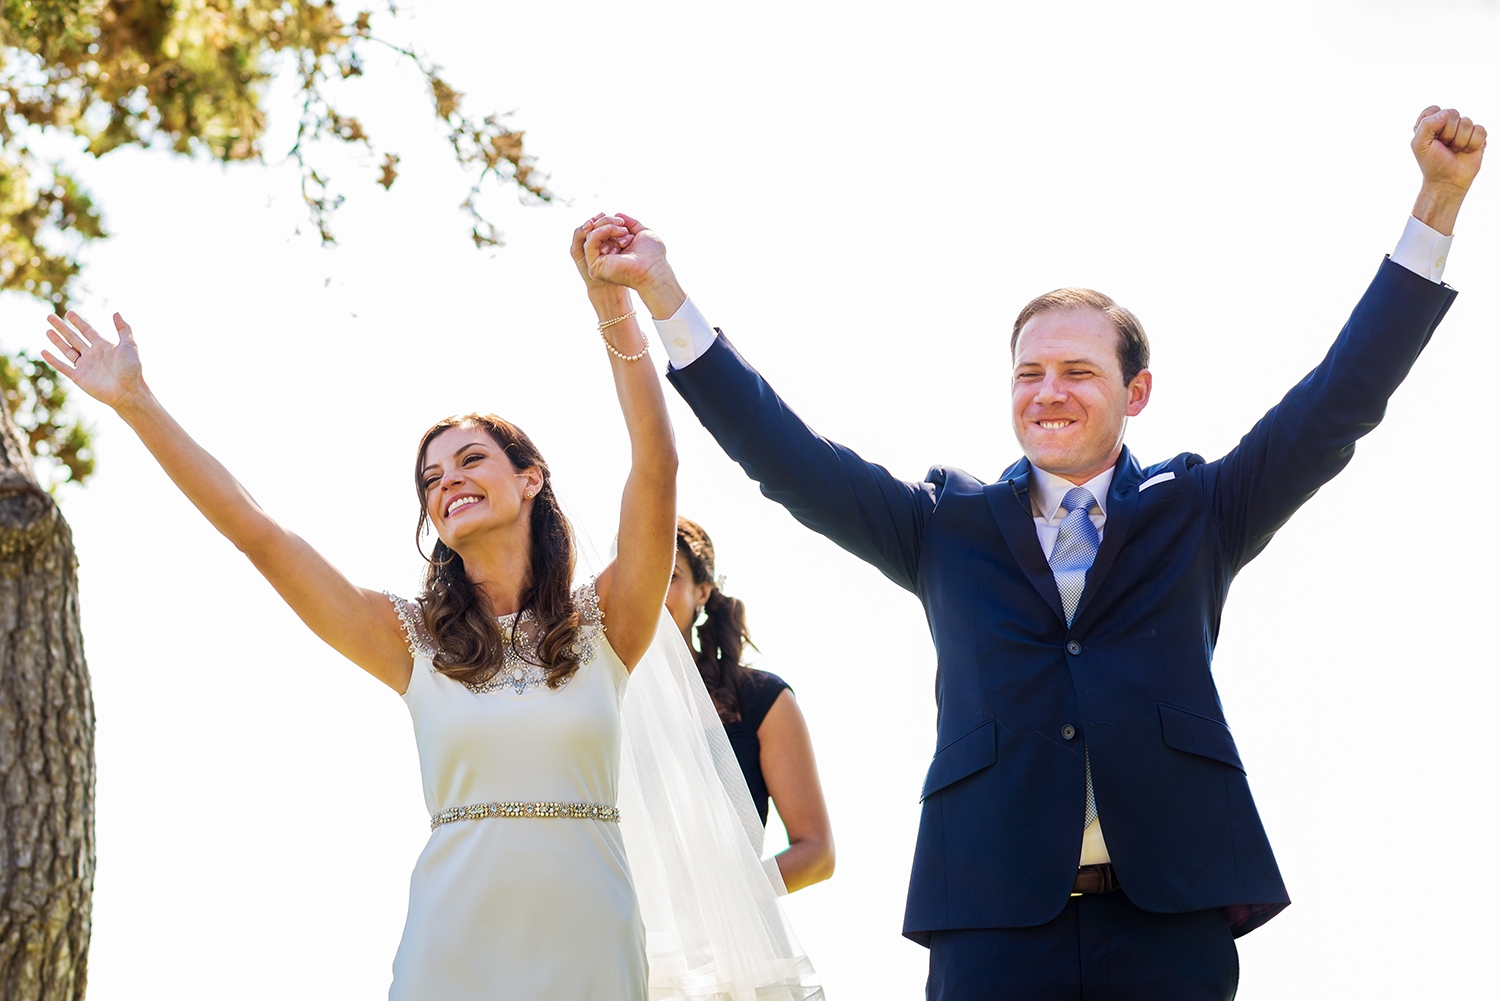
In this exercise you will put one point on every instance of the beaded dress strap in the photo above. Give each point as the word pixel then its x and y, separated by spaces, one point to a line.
pixel 586 600
pixel 418 640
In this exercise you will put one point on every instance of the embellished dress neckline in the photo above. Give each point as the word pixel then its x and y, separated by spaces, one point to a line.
pixel 521 669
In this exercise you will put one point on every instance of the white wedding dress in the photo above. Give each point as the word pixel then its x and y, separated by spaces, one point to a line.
pixel 520 907
pixel 517 904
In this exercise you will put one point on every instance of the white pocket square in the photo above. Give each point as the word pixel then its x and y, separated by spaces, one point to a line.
pixel 1158 478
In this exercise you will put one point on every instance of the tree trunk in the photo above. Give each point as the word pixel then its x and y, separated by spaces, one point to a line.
pixel 46 745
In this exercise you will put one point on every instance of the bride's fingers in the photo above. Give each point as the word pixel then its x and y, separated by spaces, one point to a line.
pixel 603 239
pixel 55 362
pixel 69 351
pixel 591 241
pixel 89 333
pixel 127 336
pixel 593 221
pixel 70 337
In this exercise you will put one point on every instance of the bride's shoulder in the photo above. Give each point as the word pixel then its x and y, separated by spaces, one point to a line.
pixel 586 602
pixel 418 639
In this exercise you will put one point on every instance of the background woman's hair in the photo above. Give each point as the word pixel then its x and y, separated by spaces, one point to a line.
pixel 723 634
pixel 469 637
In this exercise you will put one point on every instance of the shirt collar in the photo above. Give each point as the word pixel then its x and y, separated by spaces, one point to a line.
pixel 1047 490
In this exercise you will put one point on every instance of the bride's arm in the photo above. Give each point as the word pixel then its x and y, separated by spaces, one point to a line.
pixel 633 587
pixel 360 624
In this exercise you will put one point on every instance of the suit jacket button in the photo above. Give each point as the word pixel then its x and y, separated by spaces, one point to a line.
pixel 1074 647
pixel 1068 731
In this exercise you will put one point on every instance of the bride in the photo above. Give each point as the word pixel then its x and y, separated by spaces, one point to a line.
pixel 515 680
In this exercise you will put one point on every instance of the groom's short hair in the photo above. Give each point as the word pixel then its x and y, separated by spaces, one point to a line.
pixel 1134 349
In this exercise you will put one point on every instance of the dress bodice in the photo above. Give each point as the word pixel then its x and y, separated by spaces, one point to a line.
pixel 489 895
pixel 538 745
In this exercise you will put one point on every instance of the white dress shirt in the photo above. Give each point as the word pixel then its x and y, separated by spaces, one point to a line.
pixel 1047 490
pixel 686 335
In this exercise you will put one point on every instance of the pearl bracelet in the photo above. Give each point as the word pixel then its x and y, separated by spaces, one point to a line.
pixel 645 346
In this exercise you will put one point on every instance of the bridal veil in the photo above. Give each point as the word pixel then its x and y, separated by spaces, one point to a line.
pixel 714 928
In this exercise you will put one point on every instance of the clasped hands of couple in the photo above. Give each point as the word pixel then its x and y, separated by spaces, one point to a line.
pixel 616 254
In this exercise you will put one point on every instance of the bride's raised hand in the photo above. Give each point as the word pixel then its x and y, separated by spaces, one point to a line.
pixel 108 371
pixel 622 251
pixel 580 258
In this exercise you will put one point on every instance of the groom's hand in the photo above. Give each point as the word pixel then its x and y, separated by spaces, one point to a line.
pixel 621 251
pixel 1449 149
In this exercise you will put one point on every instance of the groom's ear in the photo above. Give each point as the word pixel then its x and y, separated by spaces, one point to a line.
pixel 1138 393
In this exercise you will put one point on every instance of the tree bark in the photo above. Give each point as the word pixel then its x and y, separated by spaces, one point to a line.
pixel 46 744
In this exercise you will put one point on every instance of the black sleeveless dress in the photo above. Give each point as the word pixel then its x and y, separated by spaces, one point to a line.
pixel 758 693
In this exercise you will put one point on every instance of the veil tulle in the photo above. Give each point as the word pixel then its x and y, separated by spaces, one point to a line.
pixel 714 928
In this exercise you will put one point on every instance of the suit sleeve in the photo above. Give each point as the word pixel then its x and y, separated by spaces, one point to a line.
pixel 1307 438
pixel 827 487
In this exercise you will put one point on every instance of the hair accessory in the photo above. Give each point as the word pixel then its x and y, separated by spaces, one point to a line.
pixel 721 581
pixel 702 549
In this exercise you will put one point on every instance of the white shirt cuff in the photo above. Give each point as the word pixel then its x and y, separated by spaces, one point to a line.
pixel 1422 250
pixel 685 334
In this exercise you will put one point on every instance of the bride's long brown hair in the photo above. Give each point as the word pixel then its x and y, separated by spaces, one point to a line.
pixel 469 638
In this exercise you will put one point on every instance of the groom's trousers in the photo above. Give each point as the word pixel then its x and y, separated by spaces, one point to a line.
pixel 1100 948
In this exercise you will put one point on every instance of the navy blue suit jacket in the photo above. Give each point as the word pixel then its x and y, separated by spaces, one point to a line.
pixel 1003 802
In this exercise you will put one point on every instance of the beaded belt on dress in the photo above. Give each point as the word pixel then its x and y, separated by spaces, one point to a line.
pixel 481 811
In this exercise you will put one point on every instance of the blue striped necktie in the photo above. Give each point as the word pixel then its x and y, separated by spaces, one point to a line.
pixel 1072 555
pixel 1077 545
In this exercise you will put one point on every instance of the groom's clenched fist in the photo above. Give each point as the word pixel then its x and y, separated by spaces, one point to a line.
pixel 1449 149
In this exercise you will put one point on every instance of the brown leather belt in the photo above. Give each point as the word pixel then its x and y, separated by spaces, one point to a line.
pixel 1095 879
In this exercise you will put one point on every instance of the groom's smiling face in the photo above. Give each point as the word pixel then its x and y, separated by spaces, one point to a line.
pixel 1069 398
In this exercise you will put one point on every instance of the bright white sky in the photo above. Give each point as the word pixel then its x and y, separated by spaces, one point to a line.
pixel 863 195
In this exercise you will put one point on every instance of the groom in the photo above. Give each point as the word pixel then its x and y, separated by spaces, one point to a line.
pixel 1087 829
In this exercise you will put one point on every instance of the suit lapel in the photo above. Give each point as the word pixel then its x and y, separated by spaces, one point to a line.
pixel 1010 503
pixel 1124 495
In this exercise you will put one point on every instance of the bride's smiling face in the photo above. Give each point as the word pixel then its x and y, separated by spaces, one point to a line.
pixel 470 486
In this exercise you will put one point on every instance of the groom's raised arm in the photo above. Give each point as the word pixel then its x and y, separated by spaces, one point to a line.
pixel 1307 438
pixel 827 487
pixel 824 485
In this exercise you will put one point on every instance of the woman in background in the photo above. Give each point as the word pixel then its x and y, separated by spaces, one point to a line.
pixel 759 712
